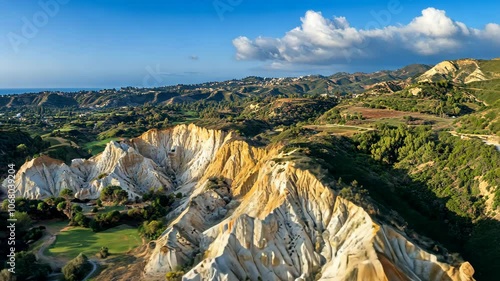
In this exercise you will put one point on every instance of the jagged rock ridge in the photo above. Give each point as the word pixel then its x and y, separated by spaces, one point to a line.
pixel 458 71
pixel 156 159
pixel 272 220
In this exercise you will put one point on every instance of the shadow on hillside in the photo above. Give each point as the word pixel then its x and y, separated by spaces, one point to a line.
pixel 424 212
pixel 72 243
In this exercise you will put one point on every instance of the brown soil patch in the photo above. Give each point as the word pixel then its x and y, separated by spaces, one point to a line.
pixel 373 113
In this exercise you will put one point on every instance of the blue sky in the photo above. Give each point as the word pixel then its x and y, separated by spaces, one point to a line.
pixel 76 43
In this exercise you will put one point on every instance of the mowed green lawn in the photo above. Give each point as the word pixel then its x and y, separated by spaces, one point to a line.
pixel 76 240
pixel 97 147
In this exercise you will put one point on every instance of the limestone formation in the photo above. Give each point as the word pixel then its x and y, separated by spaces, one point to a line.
pixel 460 71
pixel 155 159
pixel 272 220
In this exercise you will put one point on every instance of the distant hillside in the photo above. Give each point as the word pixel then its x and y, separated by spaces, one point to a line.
pixel 360 82
pixel 463 71
pixel 232 90
pixel 480 78
pixel 16 146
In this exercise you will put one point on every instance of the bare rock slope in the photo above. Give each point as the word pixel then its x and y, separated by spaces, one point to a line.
pixel 155 159
pixel 265 218
pixel 459 71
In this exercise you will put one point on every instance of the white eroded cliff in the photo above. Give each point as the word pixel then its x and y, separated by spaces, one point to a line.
pixel 278 222
pixel 264 217
pixel 168 159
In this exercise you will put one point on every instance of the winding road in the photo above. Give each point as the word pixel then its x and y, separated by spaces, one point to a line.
pixel 94 268
pixel 40 255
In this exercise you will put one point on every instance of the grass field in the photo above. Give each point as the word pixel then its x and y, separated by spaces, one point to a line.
pixel 104 209
pixel 67 127
pixel 58 141
pixel 97 147
pixel 490 65
pixel 55 141
pixel 53 226
pixel 186 120
pixel 76 240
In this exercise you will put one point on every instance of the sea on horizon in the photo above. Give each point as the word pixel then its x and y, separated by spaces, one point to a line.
pixel 15 91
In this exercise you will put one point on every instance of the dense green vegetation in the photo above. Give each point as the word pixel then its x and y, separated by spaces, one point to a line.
pixel 486 122
pixel 430 178
pixel 487 91
pixel 439 98
pixel 29 268
pixel 334 116
pixel 288 111
pixel 16 147
pixel 113 194
pixel 454 167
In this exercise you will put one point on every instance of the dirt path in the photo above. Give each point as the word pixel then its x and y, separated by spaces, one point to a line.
pixel 339 126
pixel 488 139
pixel 52 261
pixel 48 240
pixel 479 89
pixel 56 262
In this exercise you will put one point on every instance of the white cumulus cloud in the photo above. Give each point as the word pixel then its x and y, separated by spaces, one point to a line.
pixel 322 41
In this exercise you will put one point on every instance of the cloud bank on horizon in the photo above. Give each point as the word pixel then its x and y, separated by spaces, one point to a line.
pixel 321 41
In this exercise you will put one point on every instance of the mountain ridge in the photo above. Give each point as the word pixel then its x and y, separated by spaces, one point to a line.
pixel 461 71
pixel 230 90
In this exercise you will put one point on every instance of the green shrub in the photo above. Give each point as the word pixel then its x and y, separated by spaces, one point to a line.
pixel 152 229
pixel 113 193
pixel 76 269
pixel 104 252
pixel 27 267
pixel 174 275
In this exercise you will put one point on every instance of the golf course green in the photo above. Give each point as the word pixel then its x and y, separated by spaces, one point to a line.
pixel 75 240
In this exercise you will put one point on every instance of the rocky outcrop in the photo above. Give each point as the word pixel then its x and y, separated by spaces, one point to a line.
pixel 286 225
pixel 156 159
pixel 387 87
pixel 248 213
pixel 459 71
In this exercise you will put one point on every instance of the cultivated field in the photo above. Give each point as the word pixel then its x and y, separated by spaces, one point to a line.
pixel 373 116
